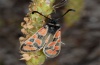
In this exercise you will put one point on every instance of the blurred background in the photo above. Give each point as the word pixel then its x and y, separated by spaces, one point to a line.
pixel 81 38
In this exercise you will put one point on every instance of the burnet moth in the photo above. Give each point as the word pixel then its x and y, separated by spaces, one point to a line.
pixel 47 38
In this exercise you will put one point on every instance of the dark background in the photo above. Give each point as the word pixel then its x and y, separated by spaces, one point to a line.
pixel 82 40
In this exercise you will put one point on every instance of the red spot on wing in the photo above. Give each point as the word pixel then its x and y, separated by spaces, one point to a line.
pixel 52 43
pixel 42 31
pixel 59 41
pixel 57 34
pixel 29 48
pixel 38 41
pixel 29 43
pixel 51 52
pixel 57 47
pixel 34 36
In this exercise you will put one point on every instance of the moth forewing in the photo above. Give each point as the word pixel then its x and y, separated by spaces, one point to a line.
pixel 52 49
pixel 35 42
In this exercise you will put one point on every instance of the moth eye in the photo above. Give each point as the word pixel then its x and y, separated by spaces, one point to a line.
pixel 31 40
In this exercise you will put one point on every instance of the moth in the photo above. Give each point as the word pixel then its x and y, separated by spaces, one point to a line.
pixel 47 38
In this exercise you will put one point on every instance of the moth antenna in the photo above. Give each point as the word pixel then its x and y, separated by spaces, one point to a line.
pixel 65 13
pixel 41 14
pixel 62 3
